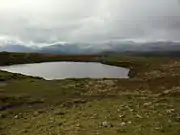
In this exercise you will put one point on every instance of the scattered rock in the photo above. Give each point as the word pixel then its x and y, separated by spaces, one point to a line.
pixel 78 125
pixel 147 104
pixel 131 110
pixel 158 128
pixel 16 117
pixel 170 110
pixel 106 124
pixel 129 122
pixel 139 116
pixel 121 116
pixel 123 123
pixel 166 92
pixel 38 112
pixel 39 125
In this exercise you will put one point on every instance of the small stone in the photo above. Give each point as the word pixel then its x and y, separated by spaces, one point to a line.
pixel 131 110
pixel 170 110
pixel 38 112
pixel 78 125
pixel 121 116
pixel 16 117
pixel 106 124
pixel 147 104
pixel 157 128
pixel 166 91
pixel 92 117
pixel 129 122
pixel 139 116
pixel 123 123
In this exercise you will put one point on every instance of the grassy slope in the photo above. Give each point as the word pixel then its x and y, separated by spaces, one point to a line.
pixel 148 103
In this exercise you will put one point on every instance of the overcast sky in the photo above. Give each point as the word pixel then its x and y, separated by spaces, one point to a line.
pixel 41 22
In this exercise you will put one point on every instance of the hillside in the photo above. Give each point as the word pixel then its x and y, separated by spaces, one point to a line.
pixel 95 48
pixel 147 103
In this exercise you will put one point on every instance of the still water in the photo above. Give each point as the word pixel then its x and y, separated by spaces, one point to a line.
pixel 62 70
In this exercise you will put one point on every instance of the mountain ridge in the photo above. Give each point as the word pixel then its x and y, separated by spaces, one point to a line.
pixel 88 48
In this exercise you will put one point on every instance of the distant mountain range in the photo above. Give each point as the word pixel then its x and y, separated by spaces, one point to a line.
pixel 87 48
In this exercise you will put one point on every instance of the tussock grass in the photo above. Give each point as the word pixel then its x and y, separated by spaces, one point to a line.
pixel 146 103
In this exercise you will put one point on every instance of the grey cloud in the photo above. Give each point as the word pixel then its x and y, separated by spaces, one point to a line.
pixel 47 21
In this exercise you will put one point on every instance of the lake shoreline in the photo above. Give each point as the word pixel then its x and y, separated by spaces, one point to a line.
pixel 43 58
pixel 58 70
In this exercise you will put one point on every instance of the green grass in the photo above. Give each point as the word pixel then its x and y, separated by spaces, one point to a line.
pixel 5 76
pixel 146 104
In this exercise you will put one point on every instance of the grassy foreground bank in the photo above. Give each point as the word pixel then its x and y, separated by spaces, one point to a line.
pixel 146 104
